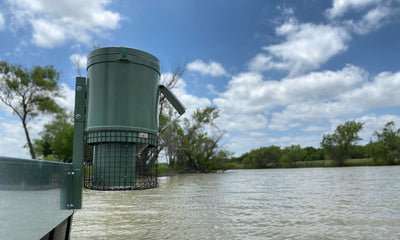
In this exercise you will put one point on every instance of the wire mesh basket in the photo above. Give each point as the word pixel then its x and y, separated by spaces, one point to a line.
pixel 120 160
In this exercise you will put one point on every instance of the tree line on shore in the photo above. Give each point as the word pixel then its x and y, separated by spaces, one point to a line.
pixel 339 147
pixel 187 145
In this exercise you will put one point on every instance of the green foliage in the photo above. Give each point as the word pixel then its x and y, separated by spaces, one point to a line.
pixel 340 144
pixel 362 162
pixel 164 169
pixel 273 156
pixel 286 161
pixel 263 157
pixel 292 154
pixel 29 93
pixel 237 160
pixel 193 146
pixel 387 147
pixel 317 163
pixel 359 151
pixel 56 141
pixel 313 154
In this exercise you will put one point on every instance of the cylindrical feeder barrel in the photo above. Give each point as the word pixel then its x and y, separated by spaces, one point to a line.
pixel 122 112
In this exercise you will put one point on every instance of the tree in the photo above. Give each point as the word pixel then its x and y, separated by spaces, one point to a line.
pixel 170 81
pixel 263 157
pixel 56 141
pixel 339 144
pixel 196 143
pixel 168 137
pixel 359 151
pixel 313 154
pixel 387 147
pixel 292 154
pixel 29 93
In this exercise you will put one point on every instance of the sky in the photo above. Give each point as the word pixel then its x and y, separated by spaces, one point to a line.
pixel 280 72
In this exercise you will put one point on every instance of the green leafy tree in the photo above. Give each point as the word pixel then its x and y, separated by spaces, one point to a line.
pixel 292 154
pixel 339 145
pixel 29 93
pixel 387 147
pixel 359 151
pixel 313 154
pixel 197 140
pixel 238 160
pixel 56 141
pixel 286 161
pixel 169 140
pixel 263 157
pixel 168 137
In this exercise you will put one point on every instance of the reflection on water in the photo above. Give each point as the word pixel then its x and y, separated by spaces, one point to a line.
pixel 318 203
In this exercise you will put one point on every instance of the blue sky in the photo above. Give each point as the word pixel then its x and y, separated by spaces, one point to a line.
pixel 281 72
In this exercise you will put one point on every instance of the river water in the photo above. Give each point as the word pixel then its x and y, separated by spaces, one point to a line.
pixel 306 203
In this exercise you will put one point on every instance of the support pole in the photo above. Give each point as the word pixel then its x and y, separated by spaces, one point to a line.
pixel 78 146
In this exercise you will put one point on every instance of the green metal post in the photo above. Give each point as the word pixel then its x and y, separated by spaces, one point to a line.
pixel 78 147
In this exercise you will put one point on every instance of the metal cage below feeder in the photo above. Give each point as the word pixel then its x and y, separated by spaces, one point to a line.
pixel 120 160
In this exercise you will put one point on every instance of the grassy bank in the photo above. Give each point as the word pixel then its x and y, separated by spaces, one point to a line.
pixel 332 163
pixel 164 170
pixel 319 163
pixel 348 163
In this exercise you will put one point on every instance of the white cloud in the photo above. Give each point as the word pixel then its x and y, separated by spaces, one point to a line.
pixel 2 21
pixel 374 123
pixel 246 94
pixel 306 47
pixel 375 14
pixel 249 94
pixel 55 22
pixel 252 103
pixel 372 20
pixel 313 128
pixel 212 90
pixel 67 100
pixel 191 102
pixel 340 7
pixel 257 134
pixel 242 122
pixel 12 136
pixel 79 61
pixel 211 68
pixel 12 139
pixel 265 62
pixel 308 111
pixel 381 92
pixel 47 34
pixel 320 84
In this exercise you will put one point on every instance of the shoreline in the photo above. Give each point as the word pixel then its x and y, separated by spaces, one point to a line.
pixel 358 162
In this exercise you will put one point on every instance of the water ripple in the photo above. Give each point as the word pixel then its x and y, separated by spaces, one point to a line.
pixel 321 203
